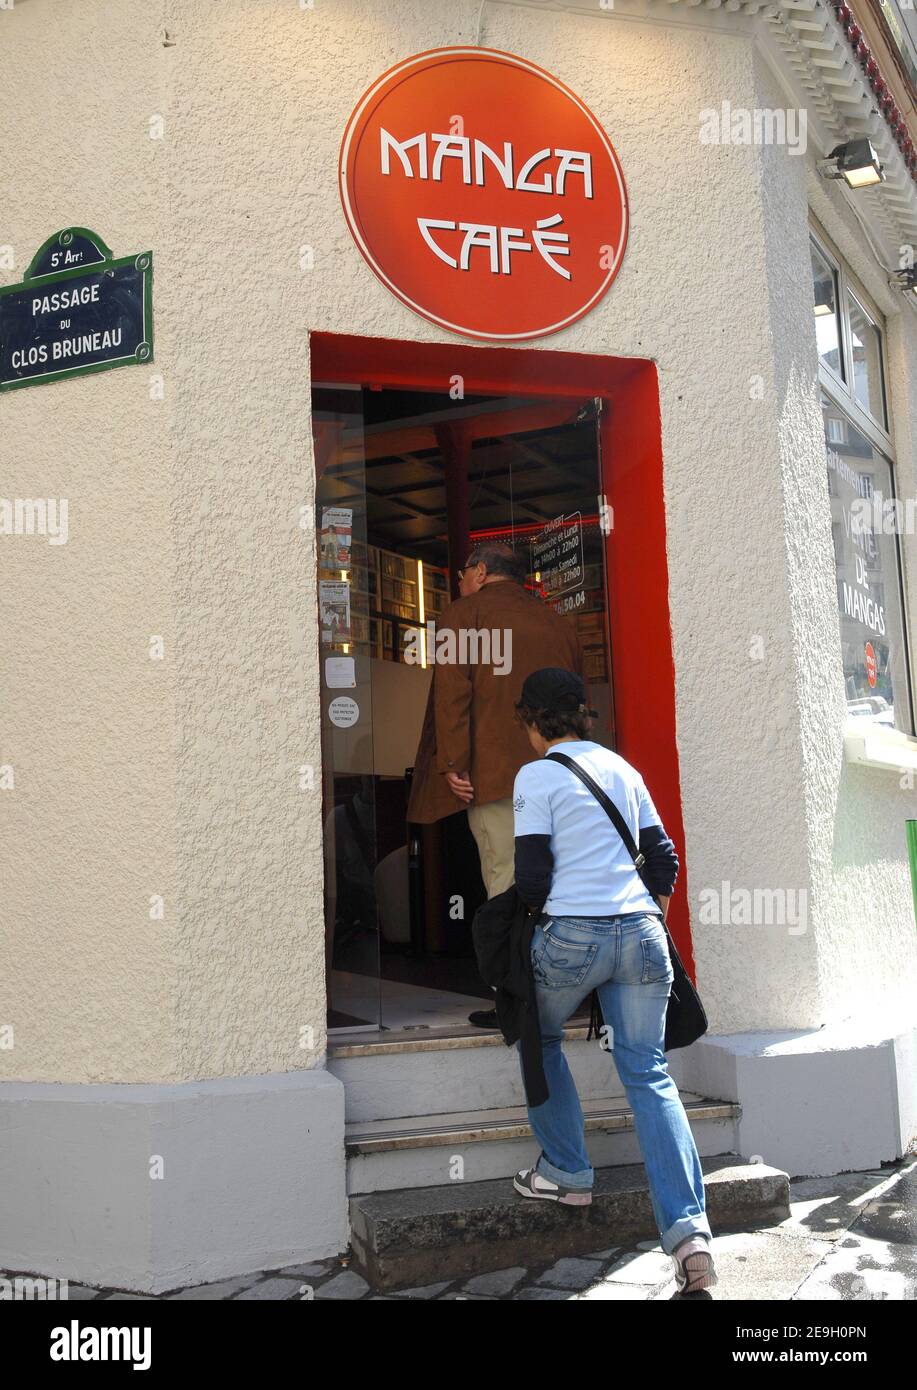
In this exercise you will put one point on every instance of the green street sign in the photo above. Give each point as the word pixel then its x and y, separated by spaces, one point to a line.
pixel 76 311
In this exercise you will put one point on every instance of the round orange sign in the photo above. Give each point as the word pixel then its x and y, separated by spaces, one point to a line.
pixel 484 194
pixel 872 669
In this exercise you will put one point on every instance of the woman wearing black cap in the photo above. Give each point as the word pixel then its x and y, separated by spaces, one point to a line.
pixel 600 928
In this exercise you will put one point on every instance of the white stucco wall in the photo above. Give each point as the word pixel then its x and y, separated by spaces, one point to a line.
pixel 857 817
pixel 87 835
pixel 185 521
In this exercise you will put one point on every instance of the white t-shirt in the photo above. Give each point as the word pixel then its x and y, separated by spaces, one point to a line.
pixel 594 876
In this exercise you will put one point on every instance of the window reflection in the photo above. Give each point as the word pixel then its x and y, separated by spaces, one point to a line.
pixel 865 524
pixel 824 284
pixel 866 343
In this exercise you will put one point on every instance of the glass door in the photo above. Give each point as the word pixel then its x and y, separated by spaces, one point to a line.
pixel 410 481
pixel 348 639
pixel 536 482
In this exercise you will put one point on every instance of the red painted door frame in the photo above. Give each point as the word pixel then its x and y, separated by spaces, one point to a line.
pixel 643 670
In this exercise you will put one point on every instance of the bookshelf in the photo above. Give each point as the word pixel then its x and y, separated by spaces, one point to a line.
pixel 385 599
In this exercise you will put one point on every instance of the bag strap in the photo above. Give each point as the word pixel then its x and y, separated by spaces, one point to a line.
pixel 623 829
pixel 613 814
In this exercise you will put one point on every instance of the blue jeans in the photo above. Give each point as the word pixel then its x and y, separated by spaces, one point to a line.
pixel 626 958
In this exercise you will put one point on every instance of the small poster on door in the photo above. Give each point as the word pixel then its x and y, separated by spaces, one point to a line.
pixel 334 603
pixel 340 673
pixel 336 537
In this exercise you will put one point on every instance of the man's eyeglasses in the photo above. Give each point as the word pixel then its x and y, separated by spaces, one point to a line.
pixel 468 565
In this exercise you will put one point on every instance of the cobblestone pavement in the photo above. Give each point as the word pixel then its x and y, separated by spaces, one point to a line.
pixel 848 1237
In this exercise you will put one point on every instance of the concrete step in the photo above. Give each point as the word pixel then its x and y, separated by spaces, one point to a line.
pixel 466 1147
pixel 420 1235
pixel 409 1075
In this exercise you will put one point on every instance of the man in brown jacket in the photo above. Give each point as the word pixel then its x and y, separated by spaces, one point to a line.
pixel 471 747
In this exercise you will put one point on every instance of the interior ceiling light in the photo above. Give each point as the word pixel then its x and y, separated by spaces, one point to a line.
pixel 857 162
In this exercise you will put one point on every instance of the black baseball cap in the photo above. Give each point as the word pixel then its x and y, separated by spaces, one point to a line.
pixel 556 691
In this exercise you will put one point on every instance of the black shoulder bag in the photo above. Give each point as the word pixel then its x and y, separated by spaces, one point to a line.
pixel 685 1019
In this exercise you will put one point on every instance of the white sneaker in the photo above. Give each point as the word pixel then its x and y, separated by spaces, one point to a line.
pixel 533 1184
pixel 694 1265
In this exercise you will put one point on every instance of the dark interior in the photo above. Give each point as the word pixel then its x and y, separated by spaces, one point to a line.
pixel 523 464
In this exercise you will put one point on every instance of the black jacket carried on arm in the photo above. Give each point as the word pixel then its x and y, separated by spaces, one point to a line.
pixel 502 932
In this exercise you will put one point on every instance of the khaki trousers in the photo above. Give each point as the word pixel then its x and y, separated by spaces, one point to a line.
pixel 492 827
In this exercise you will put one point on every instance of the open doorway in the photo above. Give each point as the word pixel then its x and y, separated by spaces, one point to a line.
pixel 417 462
pixel 409 482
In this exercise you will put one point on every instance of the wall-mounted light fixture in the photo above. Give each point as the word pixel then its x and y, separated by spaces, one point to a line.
pixel 906 280
pixel 857 162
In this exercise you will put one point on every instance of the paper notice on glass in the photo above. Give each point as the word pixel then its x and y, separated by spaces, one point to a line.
pixel 557 555
pixel 339 672
pixel 336 533
pixel 343 711
pixel 334 602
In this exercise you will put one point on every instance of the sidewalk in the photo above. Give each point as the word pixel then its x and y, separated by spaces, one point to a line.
pixel 849 1237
